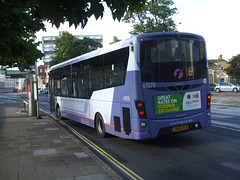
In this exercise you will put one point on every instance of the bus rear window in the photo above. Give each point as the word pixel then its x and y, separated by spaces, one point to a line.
pixel 170 60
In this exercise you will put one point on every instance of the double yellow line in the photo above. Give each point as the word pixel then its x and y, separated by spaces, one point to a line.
pixel 119 165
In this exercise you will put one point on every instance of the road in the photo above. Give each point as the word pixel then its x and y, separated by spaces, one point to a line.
pixel 212 153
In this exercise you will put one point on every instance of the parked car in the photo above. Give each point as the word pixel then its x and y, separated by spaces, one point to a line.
pixel 212 86
pixel 39 90
pixel 227 87
pixel 45 91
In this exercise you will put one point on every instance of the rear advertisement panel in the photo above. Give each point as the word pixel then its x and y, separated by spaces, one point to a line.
pixel 169 103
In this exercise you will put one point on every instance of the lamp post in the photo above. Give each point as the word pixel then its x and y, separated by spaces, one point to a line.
pixel 36 92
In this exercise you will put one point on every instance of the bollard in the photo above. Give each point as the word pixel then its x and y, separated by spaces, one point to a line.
pixel 32 105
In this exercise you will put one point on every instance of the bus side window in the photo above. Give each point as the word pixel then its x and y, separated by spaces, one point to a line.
pixel 115 66
pixel 96 73
pixel 57 86
pixel 64 86
pixel 83 79
pixel 74 87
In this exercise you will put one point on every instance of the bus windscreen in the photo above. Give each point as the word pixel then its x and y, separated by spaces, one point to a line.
pixel 172 60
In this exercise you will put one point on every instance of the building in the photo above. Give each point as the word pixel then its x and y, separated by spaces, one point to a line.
pixel 49 45
pixel 48 48
pixel 6 84
pixel 42 77
pixel 217 70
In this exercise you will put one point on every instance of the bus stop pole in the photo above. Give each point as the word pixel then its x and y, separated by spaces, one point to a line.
pixel 37 100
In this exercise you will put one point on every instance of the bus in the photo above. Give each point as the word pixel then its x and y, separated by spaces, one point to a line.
pixel 141 88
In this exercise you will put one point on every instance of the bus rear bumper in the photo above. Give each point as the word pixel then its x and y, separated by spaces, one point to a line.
pixel 172 130
pixel 174 126
pixel 141 135
pixel 166 131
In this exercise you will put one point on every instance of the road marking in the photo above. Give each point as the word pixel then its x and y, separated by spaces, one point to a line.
pixel 119 165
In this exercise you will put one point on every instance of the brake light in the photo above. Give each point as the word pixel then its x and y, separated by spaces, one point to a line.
pixel 208 101
pixel 140 106
pixel 141 113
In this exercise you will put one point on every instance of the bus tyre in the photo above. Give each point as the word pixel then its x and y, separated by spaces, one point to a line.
pixel 59 113
pixel 100 126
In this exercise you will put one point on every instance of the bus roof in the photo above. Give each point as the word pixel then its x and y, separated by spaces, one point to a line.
pixel 95 53
pixel 162 35
pixel 125 43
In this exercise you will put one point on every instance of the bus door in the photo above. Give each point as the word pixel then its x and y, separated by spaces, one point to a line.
pixel 51 95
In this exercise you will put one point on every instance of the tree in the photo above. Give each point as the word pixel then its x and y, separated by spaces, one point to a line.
pixel 234 68
pixel 21 19
pixel 115 39
pixel 19 22
pixel 155 16
pixel 68 47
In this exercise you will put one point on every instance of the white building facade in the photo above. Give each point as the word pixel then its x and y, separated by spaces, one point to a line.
pixel 6 84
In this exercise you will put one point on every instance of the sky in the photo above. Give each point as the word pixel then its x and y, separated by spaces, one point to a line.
pixel 216 20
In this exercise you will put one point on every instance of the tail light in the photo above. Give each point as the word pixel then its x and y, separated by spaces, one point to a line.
pixel 208 101
pixel 140 106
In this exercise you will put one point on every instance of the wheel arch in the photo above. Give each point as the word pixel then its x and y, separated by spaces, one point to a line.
pixel 95 117
pixel 235 89
pixel 217 90
pixel 96 112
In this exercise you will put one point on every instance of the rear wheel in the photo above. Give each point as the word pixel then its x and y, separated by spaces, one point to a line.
pixel 100 126
pixel 235 90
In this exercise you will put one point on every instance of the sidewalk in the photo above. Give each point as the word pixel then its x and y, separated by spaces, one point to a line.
pixel 41 149
pixel 226 99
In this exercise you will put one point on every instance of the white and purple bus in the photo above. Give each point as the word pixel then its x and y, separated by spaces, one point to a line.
pixel 144 87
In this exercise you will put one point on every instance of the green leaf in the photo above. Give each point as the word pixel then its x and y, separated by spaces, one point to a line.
pixel 154 16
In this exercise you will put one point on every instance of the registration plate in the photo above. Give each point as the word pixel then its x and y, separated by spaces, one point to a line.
pixel 181 128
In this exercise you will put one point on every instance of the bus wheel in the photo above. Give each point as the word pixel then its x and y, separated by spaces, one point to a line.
pixel 59 113
pixel 100 126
